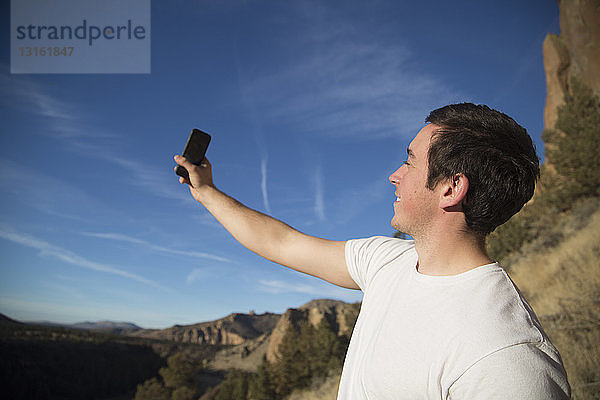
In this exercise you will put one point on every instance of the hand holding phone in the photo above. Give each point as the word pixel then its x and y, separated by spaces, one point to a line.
pixel 194 151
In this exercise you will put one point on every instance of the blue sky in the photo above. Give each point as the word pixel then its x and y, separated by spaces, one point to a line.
pixel 311 105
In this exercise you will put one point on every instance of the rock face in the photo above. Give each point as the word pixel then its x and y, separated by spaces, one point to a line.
pixel 341 317
pixel 573 54
pixel 250 336
pixel 232 330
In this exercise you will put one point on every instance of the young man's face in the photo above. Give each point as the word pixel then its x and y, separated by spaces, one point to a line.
pixel 415 204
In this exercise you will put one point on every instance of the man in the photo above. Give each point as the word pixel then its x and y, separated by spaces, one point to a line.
pixel 439 319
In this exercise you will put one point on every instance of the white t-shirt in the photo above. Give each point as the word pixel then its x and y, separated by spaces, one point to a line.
pixel 466 336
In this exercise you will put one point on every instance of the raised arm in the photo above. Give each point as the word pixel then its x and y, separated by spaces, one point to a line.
pixel 267 236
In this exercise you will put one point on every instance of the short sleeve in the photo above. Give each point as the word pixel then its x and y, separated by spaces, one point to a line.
pixel 365 257
pixel 525 371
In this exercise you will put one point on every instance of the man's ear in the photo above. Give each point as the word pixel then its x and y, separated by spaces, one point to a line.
pixel 454 192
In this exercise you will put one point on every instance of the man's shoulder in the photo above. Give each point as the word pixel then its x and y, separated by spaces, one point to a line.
pixel 496 330
pixel 526 370
pixel 381 249
pixel 382 242
pixel 366 257
pixel 501 315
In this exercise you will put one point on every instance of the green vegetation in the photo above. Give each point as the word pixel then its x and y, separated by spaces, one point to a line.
pixel 305 354
pixel 574 149
pixel 570 175
pixel 181 380
pixel 152 389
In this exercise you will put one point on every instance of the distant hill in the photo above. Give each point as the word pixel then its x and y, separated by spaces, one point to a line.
pixel 116 328
pixel 5 319
pixel 106 326
pixel 111 327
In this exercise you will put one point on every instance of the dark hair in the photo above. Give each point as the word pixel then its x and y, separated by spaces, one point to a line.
pixel 493 151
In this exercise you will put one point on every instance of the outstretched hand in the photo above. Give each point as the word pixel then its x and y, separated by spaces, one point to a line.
pixel 200 176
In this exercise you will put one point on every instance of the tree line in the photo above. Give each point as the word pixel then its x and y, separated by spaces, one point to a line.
pixel 305 353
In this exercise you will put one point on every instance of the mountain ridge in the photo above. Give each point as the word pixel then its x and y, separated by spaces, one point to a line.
pixel 238 340
pixel 233 329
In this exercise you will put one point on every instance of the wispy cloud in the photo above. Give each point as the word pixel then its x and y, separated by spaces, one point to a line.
pixel 47 105
pixel 259 135
pixel 63 118
pixel 263 183
pixel 319 201
pixel 68 122
pixel 115 236
pixel 49 250
pixel 345 82
pixel 139 174
pixel 321 289
pixel 195 275
pixel 162 249
pixel 279 287
pixel 26 184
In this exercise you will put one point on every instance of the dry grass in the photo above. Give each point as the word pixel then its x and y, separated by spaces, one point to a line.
pixel 562 284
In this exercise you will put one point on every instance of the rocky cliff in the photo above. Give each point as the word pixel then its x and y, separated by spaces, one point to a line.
pixel 234 329
pixel 340 315
pixel 575 53
pixel 249 337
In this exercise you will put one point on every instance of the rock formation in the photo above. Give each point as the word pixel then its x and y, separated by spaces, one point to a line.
pixel 341 317
pixel 234 329
pixel 250 336
pixel 575 53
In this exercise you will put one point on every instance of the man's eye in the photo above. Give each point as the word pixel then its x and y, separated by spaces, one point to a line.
pixel 406 162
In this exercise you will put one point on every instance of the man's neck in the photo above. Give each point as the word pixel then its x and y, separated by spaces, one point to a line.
pixel 450 253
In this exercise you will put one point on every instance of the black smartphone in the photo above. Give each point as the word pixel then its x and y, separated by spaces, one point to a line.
pixel 194 150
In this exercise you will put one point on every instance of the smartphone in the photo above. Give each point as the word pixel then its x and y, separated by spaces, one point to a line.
pixel 194 150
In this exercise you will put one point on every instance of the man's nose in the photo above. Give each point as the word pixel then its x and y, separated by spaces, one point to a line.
pixel 396 176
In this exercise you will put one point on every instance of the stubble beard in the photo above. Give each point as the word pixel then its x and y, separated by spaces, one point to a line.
pixel 415 228
pixel 401 226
